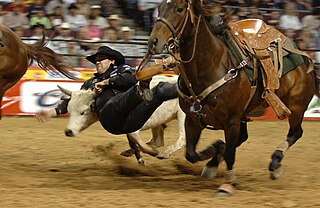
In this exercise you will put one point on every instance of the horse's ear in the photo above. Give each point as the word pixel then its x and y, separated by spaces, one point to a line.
pixel 227 15
pixel 68 92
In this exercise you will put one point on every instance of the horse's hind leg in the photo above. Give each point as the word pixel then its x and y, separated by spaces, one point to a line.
pixel 300 96
pixel 295 133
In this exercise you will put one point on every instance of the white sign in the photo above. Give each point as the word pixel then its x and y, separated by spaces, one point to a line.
pixel 38 95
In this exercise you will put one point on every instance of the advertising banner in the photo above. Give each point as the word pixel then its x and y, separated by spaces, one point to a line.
pixel 38 90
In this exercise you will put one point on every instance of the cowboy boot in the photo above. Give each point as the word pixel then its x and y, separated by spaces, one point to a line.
pixel 144 90
pixel 166 91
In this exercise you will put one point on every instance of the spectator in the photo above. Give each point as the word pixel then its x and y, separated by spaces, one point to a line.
pixel 114 21
pixel 36 33
pixel 58 43
pixel 54 3
pixel 10 7
pixel 266 4
pixel 16 17
pixel 84 8
pixel 126 34
pixel 273 18
pixel 279 4
pixel 93 31
pixel 110 34
pixel 19 31
pixel 2 13
pixel 74 19
pixel 37 5
pixel 303 5
pixel 56 18
pixel 290 18
pixel 95 10
pixel 312 21
pixel 243 13
pixel 40 18
pixel 147 7
pixel 83 35
pixel 290 33
pixel 308 38
pixel 108 7
pixel 255 13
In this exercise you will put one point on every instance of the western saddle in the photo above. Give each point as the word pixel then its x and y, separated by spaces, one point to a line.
pixel 258 42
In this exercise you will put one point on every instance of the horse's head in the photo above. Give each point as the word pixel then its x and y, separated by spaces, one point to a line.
pixel 173 15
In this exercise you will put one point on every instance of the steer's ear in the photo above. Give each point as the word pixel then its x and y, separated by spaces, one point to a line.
pixel 68 92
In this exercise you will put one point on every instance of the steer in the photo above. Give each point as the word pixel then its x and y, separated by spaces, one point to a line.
pixel 82 115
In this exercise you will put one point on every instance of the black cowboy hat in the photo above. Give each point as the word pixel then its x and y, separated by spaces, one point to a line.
pixel 109 52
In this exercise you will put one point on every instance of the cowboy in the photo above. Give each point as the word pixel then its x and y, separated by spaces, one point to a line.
pixel 120 105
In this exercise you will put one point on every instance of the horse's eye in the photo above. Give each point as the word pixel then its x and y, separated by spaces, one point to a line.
pixel 82 113
pixel 179 10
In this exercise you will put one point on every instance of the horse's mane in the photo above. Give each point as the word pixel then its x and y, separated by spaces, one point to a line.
pixel 217 24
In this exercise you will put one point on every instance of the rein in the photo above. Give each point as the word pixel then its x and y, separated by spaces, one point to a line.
pixel 195 101
pixel 1 44
pixel 174 41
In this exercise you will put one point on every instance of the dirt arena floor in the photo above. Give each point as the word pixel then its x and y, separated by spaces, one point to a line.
pixel 40 167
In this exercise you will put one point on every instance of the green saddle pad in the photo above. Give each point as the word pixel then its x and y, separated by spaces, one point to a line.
pixel 290 61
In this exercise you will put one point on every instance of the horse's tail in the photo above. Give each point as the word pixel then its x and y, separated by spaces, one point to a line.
pixel 46 58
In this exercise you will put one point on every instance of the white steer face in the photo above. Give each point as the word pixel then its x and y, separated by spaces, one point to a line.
pixel 81 112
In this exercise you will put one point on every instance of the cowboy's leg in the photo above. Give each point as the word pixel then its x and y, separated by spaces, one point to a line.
pixel 138 117
pixel 113 114
pixel 126 112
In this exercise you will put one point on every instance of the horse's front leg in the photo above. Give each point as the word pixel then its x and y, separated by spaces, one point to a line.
pixel 193 132
pixel 232 133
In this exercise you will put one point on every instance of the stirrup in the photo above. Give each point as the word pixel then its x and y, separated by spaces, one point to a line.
pixel 144 90
pixel 144 94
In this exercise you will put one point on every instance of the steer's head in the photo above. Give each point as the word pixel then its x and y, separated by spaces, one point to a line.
pixel 81 110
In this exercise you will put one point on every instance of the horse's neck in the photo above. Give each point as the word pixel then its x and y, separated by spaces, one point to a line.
pixel 211 59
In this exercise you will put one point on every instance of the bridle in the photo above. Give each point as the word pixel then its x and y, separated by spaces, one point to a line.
pixel 195 101
pixel 173 43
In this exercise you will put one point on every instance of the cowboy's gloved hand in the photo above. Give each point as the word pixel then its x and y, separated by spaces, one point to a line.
pixel 44 115
pixel 99 85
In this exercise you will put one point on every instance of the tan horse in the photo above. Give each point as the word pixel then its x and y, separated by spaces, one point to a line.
pixel 16 57
pixel 215 90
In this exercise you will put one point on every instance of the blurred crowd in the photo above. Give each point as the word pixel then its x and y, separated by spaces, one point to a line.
pixel 95 21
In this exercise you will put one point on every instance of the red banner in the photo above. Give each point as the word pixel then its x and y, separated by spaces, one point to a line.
pixel 38 90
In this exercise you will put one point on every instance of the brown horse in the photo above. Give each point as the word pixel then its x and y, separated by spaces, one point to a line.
pixel 221 88
pixel 17 56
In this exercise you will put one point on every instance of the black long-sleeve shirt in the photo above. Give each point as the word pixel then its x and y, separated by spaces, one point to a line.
pixel 121 78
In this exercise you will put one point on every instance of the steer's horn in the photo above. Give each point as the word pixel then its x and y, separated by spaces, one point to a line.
pixel 68 92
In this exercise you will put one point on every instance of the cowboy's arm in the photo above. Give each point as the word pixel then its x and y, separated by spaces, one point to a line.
pixel 44 115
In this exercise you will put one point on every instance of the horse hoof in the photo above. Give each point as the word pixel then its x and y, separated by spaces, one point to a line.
pixel 127 153
pixel 225 190
pixel 276 173
pixel 209 172
pixel 141 162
